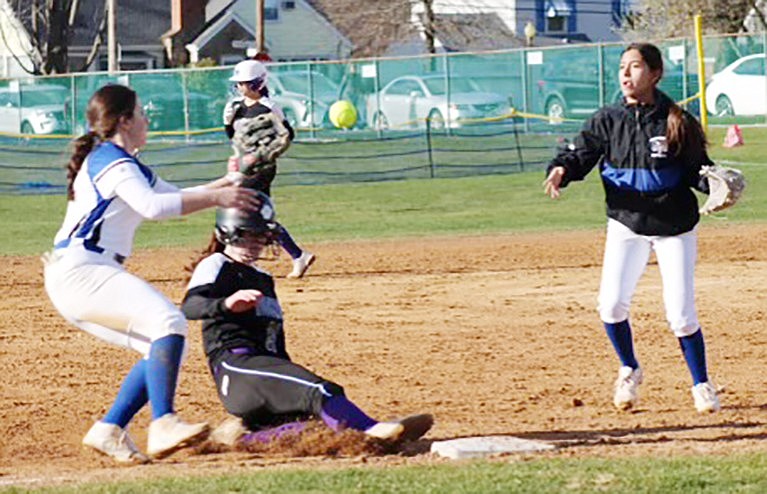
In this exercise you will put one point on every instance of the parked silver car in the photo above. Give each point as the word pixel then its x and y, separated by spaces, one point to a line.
pixel 304 96
pixel 34 109
pixel 408 101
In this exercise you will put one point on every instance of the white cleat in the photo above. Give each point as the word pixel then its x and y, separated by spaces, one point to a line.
pixel 169 433
pixel 388 431
pixel 114 441
pixel 408 429
pixel 627 387
pixel 301 264
pixel 229 432
pixel 706 399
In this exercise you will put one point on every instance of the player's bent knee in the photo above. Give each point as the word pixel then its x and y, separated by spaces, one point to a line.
pixel 686 329
pixel 613 313
pixel 172 323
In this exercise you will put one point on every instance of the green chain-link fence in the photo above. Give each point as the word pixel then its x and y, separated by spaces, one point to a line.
pixel 486 112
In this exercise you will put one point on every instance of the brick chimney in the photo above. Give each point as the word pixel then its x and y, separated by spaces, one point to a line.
pixel 187 19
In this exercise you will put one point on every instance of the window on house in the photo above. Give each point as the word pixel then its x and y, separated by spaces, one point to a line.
pixel 288 5
pixel 556 15
pixel 271 14
pixel 556 24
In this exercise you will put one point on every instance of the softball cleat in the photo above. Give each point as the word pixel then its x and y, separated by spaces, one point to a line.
pixel 706 399
pixel 301 264
pixel 229 432
pixel 408 429
pixel 169 433
pixel 387 431
pixel 416 426
pixel 627 387
pixel 112 440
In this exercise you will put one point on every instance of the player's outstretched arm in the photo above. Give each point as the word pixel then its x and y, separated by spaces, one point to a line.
pixel 551 186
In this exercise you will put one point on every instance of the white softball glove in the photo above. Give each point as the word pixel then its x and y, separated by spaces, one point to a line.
pixel 725 188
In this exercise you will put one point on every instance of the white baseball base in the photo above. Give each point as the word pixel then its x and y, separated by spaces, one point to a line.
pixel 477 447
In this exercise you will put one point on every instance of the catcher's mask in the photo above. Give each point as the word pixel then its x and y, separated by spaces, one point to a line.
pixel 239 227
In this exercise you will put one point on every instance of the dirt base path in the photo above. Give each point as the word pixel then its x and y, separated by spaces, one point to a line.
pixel 493 335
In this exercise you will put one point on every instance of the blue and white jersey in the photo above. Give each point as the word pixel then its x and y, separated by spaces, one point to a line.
pixel 113 193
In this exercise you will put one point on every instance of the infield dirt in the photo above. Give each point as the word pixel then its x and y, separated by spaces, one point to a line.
pixel 492 335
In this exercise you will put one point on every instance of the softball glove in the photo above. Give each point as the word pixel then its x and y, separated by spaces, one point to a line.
pixel 725 187
pixel 264 137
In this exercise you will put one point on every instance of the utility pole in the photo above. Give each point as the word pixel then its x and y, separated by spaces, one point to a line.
pixel 260 26
pixel 111 43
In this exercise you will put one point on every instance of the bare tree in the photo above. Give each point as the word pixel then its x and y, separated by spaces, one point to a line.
pixel 427 20
pixel 659 19
pixel 49 25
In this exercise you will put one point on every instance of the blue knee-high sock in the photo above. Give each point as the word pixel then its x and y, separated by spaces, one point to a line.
pixel 287 243
pixel 694 350
pixel 620 336
pixel 162 373
pixel 131 397
pixel 338 413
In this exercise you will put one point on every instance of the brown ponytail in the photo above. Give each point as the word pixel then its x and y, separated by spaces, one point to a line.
pixel 213 246
pixel 683 133
pixel 80 149
pixel 105 109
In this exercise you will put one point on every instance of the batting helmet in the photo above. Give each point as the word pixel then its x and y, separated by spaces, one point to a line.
pixel 232 224
pixel 252 72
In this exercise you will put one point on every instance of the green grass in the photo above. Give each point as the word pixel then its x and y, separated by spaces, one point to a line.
pixel 461 206
pixel 737 473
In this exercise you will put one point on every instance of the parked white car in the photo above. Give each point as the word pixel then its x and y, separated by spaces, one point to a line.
pixel 304 108
pixel 408 101
pixel 739 89
pixel 36 109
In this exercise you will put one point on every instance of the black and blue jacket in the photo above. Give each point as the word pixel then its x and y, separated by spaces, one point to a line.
pixel 648 187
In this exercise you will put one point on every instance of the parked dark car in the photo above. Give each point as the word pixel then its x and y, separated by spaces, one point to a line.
pixel 164 104
pixel 569 86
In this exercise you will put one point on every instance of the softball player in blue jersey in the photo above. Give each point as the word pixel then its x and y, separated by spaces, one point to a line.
pixel 250 78
pixel 650 153
pixel 110 192
pixel 243 338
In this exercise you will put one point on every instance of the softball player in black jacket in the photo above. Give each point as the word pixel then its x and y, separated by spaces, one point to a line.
pixel 250 79
pixel 650 153
pixel 245 344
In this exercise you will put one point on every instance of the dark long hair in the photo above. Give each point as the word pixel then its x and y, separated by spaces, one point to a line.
pixel 105 109
pixel 214 245
pixel 682 131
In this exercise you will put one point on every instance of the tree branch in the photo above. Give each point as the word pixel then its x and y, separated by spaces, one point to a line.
pixel 97 40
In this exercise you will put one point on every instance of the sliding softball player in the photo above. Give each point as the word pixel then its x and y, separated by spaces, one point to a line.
pixel 243 338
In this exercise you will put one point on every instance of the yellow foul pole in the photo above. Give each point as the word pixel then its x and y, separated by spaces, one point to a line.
pixel 701 72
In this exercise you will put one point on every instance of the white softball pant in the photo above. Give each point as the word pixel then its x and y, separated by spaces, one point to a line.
pixel 96 294
pixel 625 259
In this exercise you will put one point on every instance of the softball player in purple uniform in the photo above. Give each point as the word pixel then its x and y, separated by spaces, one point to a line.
pixel 250 80
pixel 650 153
pixel 243 337
pixel 110 192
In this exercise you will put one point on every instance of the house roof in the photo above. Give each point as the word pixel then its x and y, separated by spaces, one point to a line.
pixel 474 32
pixel 223 18
pixel 138 22
pixel 391 22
